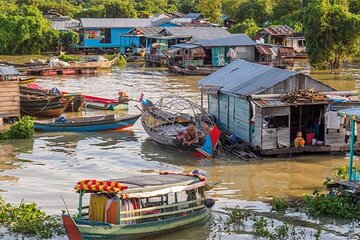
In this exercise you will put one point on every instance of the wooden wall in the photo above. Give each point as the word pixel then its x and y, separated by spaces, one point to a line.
pixel 9 99
pixel 297 82
pixel 232 114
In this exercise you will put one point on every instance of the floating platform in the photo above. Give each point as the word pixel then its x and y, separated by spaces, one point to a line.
pixel 57 71
pixel 308 149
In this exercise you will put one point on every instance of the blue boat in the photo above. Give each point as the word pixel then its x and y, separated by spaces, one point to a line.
pixel 94 123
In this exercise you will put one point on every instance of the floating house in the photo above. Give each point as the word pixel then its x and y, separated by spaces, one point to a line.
pixel 247 99
pixel 9 92
pixel 215 51
pixel 109 33
pixel 275 35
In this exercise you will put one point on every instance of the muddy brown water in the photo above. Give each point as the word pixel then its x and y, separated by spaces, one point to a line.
pixel 48 166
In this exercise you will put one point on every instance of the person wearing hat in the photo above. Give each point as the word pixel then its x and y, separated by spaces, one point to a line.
pixel 123 97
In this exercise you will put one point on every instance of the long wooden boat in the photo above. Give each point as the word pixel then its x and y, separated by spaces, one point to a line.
pixel 96 64
pixel 203 71
pixel 38 103
pixel 167 120
pixel 26 80
pixel 137 207
pixel 94 123
pixel 76 100
pixel 104 103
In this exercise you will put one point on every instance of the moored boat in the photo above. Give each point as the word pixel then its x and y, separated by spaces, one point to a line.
pixel 26 80
pixel 166 121
pixel 104 103
pixel 192 70
pixel 94 123
pixel 41 103
pixel 139 206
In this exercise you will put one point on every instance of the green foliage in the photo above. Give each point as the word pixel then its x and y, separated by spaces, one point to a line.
pixel 260 228
pixel 68 58
pixel 210 9
pixel 25 31
pixel 283 8
pixel 118 8
pixel 278 204
pixel 68 38
pixel 248 27
pixel 342 172
pixel 121 62
pixel 29 220
pixel 237 216
pixel 146 8
pixel 23 129
pixel 354 6
pixel 341 205
pixel 331 32
pixel 255 9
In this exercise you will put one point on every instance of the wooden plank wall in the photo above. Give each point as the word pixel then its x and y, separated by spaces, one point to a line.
pixel 257 136
pixel 295 83
pixel 224 111
pixel 9 99
pixel 242 119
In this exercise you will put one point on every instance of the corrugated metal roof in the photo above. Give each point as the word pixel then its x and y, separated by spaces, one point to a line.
pixel 279 30
pixel 245 78
pixel 161 21
pixel 232 40
pixel 186 45
pixel 192 15
pixel 8 70
pixel 266 50
pixel 145 31
pixel 115 22
pixel 63 25
pixel 198 32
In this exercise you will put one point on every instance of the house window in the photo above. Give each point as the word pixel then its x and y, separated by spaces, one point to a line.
pixel 301 43
pixel 92 34
pixel 105 35
pixel 276 122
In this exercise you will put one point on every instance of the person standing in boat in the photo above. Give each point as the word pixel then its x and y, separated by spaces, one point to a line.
pixel 123 97
pixel 190 136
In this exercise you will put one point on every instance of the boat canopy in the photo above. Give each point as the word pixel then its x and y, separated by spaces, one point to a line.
pixel 354 115
pixel 143 186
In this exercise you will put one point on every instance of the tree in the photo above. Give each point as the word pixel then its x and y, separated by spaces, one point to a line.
pixel 230 7
pixel 25 31
pixel 248 27
pixel 354 6
pixel 282 8
pixel 68 38
pixel 119 9
pixel 255 9
pixel 331 32
pixel 210 9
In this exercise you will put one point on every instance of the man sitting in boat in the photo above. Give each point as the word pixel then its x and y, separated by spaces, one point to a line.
pixel 123 97
pixel 190 136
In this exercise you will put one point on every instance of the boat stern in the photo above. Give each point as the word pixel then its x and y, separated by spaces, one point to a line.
pixel 71 228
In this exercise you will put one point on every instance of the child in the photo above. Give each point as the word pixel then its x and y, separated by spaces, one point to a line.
pixel 299 140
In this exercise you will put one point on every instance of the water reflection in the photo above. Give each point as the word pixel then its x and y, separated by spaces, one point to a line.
pixel 43 169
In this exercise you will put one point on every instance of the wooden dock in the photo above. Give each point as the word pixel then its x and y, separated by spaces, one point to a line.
pixel 308 149
pixel 9 99
pixel 48 71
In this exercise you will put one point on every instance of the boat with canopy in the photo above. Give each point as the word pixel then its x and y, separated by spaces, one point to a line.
pixel 139 206
pixel 166 120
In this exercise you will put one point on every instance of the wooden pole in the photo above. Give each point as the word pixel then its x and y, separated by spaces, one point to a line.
pixel 119 209
pixel 352 139
pixel 81 193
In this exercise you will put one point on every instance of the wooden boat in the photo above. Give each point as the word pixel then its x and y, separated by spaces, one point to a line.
pixel 167 119
pixel 104 103
pixel 41 103
pixel 48 72
pixel 68 71
pixel 150 205
pixel 192 70
pixel 94 123
pixel 76 100
pixel 26 80
pixel 96 64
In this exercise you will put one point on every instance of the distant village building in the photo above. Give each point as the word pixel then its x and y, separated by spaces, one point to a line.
pixel 9 92
pixel 275 35
pixel 246 100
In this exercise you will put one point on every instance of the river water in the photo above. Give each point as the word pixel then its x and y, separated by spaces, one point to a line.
pixel 47 167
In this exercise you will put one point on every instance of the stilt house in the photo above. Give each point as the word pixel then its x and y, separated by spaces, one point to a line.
pixel 9 92
pixel 246 99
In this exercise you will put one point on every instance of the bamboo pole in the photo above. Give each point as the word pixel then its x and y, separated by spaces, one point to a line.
pixel 352 139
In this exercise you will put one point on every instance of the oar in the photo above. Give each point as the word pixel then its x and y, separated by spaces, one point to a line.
pixel 65 205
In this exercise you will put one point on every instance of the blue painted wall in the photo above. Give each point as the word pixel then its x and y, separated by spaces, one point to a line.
pixel 117 40
pixel 169 25
pixel 231 114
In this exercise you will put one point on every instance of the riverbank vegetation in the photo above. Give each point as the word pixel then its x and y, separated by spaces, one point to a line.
pixel 28 220
pixel 331 28
pixel 22 129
